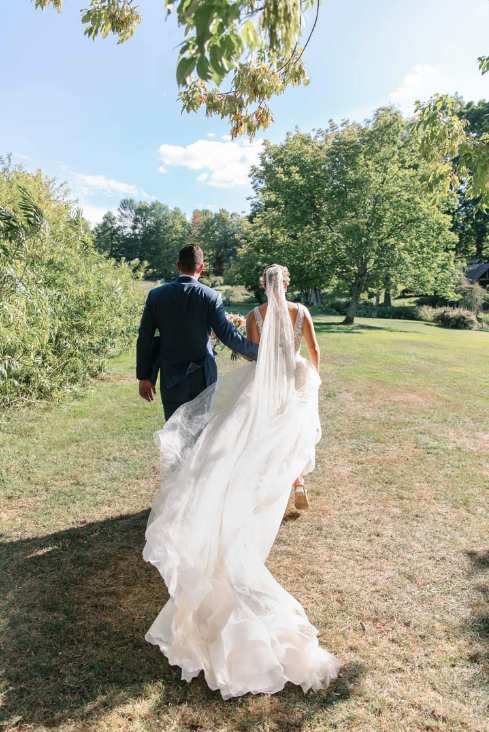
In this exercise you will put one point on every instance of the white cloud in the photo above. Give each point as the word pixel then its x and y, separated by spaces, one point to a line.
pixel 162 169
pixel 91 185
pixel 95 214
pixel 225 164
pixel 420 82
pixel 211 134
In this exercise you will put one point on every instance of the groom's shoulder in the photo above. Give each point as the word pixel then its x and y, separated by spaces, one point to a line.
pixel 156 292
pixel 208 291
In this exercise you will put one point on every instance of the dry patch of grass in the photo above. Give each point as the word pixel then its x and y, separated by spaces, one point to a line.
pixel 391 562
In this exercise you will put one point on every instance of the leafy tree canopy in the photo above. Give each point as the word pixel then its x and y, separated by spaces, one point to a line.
pixel 348 208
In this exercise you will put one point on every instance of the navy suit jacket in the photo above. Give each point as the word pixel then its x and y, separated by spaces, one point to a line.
pixel 184 312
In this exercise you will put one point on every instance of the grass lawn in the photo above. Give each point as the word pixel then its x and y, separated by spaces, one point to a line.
pixel 391 562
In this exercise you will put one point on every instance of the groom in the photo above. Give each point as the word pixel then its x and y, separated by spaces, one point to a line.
pixel 184 312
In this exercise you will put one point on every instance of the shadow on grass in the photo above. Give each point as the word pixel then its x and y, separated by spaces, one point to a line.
pixel 355 329
pixel 78 603
pixel 479 624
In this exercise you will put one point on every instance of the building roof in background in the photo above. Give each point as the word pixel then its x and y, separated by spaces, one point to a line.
pixel 475 273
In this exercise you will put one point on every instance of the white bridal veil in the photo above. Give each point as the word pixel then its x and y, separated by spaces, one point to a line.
pixel 228 461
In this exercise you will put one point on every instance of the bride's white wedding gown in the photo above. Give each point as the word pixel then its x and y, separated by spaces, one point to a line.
pixel 229 459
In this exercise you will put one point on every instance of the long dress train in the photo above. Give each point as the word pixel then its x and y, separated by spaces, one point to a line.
pixel 228 461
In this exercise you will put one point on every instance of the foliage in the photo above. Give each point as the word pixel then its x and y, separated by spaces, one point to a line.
pixel 473 297
pixel 365 310
pixel 347 208
pixel 470 219
pixel 64 308
pixel 220 235
pixel 426 313
pixel 457 153
pixel 455 318
pixel 450 317
pixel 257 43
pixel 152 233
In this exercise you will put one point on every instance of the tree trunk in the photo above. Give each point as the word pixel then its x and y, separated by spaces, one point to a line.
pixel 316 297
pixel 350 313
pixel 387 298
pixel 376 305
pixel 357 290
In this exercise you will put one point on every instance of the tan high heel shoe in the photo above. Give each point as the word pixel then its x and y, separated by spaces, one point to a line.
pixel 301 499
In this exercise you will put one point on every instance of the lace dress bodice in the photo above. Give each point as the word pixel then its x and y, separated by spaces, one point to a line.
pixel 298 327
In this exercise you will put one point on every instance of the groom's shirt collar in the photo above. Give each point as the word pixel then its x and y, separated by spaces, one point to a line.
pixel 187 278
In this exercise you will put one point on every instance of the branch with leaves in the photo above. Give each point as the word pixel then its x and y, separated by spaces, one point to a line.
pixel 445 136
pixel 256 44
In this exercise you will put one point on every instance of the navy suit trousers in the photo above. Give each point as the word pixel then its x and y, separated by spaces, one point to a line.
pixel 183 392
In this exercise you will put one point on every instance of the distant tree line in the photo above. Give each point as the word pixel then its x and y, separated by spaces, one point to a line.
pixel 154 233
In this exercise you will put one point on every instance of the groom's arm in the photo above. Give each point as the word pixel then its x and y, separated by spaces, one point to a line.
pixel 144 351
pixel 229 335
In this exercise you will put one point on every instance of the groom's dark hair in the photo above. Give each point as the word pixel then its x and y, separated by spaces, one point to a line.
pixel 190 258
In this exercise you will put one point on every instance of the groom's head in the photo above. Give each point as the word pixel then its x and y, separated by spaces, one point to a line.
pixel 190 260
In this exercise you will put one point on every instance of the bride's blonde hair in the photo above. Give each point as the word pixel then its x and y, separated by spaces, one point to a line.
pixel 285 274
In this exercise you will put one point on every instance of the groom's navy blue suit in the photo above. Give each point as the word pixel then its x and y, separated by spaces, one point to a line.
pixel 184 312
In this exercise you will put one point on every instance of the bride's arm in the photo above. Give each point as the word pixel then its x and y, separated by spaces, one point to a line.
pixel 311 340
pixel 251 329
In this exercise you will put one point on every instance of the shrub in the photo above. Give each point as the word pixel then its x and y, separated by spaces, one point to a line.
pixel 401 312
pixel 426 313
pixel 455 318
pixel 64 308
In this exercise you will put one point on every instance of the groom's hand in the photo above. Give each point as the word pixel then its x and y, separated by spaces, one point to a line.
pixel 146 389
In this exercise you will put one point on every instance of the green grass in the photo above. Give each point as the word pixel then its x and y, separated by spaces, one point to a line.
pixel 390 562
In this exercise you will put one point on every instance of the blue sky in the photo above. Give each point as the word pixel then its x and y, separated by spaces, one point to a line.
pixel 105 117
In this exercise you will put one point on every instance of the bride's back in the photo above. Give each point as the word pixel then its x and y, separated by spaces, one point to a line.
pixel 292 307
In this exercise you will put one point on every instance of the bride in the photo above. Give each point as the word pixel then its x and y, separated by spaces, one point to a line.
pixel 228 461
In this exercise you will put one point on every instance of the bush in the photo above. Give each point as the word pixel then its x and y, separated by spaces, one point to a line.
pixel 455 318
pixel 426 313
pixel 236 295
pixel 64 308
pixel 401 312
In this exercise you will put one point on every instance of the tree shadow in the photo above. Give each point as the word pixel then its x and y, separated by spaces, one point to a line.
pixel 78 604
pixel 479 623
pixel 355 329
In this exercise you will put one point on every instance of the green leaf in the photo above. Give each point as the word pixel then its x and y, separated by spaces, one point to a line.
pixel 202 20
pixel 249 34
pixel 184 69
pixel 203 68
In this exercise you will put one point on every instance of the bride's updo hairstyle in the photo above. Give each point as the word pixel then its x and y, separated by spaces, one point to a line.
pixel 285 274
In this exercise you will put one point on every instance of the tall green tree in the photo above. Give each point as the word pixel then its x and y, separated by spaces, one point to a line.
pixel 457 152
pixel 151 233
pixel 470 219
pixel 220 235
pixel 348 207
